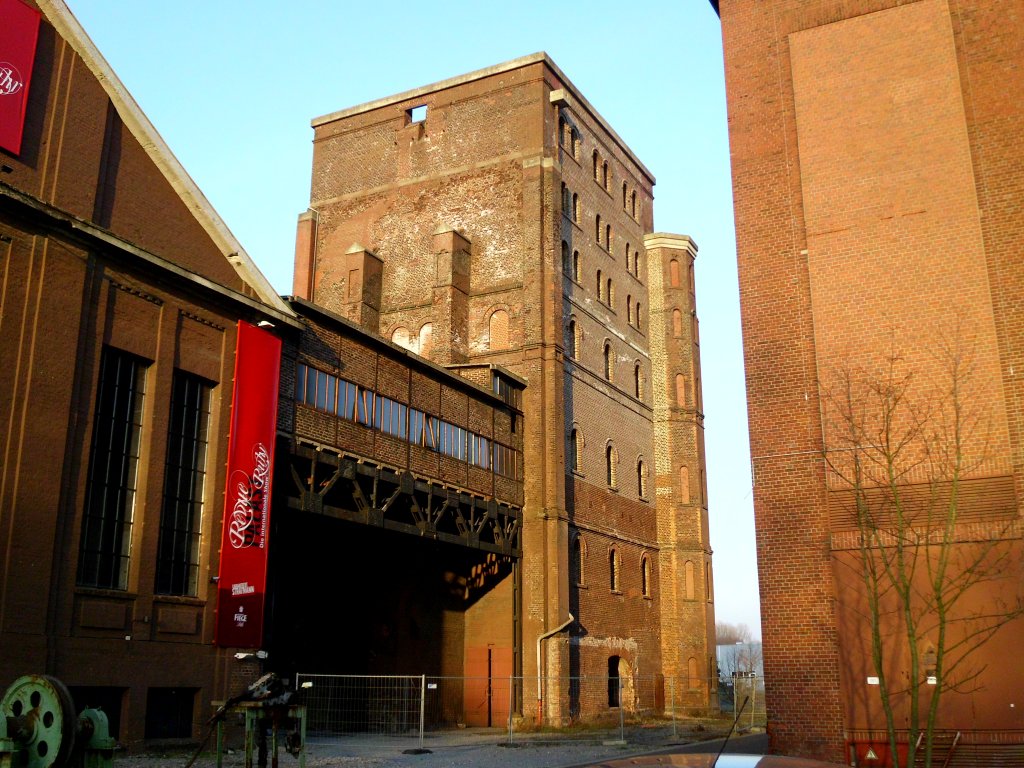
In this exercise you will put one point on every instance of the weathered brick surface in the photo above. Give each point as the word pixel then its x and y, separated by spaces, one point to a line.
pixel 878 172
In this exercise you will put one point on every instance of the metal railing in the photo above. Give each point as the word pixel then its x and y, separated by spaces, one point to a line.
pixel 365 708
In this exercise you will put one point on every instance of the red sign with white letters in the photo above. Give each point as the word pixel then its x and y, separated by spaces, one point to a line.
pixel 19 31
pixel 242 584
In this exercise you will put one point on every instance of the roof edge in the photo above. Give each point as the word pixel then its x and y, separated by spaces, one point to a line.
pixel 60 16
pixel 479 74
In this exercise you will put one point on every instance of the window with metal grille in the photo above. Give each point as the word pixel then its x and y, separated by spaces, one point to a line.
pixel 181 517
pixel 105 544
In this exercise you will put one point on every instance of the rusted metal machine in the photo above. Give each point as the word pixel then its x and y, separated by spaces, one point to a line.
pixel 40 729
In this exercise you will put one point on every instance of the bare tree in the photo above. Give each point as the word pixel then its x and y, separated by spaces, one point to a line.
pixel 901 451
pixel 730 634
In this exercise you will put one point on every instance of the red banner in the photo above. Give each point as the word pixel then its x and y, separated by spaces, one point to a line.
pixel 19 30
pixel 243 550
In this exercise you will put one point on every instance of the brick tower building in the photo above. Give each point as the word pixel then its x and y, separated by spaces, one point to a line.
pixel 496 219
pixel 878 174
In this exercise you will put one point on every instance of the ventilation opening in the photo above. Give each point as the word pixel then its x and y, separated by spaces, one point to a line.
pixel 417 114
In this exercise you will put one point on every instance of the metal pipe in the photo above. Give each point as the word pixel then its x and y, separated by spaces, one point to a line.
pixel 540 683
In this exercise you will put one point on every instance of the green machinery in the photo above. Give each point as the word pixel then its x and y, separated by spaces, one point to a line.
pixel 39 728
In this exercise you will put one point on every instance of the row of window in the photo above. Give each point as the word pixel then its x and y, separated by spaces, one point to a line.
pixel 345 399
pixel 603 233
pixel 611 459
pixel 112 479
pixel 579 562
pixel 605 286
pixel 575 346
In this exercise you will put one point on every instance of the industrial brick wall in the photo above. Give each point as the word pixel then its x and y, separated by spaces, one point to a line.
pixel 877 170
pixel 506 160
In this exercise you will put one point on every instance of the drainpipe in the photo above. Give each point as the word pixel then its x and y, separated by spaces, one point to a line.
pixel 540 679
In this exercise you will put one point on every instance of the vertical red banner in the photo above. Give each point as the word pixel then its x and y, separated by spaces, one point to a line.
pixel 19 31
pixel 243 551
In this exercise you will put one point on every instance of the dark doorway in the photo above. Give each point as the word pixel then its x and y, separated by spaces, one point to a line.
pixel 613 681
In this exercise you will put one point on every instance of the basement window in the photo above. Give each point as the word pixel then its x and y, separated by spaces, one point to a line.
pixel 417 114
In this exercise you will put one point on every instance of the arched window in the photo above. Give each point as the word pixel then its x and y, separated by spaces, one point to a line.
pixel 636 264
pixel 684 484
pixel 608 236
pixel 645 575
pixel 561 131
pixel 575 137
pixel 613 569
pixel 611 460
pixel 609 294
pixel 579 554
pixel 638 381
pixel 707 581
pixel 632 206
pixel 400 336
pixel 597 229
pixel 673 273
pixel 574 449
pixel 629 309
pixel 641 479
pixel 597 166
pixel 576 266
pixel 600 286
pixel 566 265
pixel 677 323
pixel 606 179
pixel 680 390
pixel 573 349
pixel 575 207
pixel 609 362
pixel 628 267
pixel 498 329
pixel 623 194
pixel 426 339
pixel 637 316
pixel 565 200
pixel 693 673
pixel 689 589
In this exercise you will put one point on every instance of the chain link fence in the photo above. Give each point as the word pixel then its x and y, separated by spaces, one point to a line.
pixel 407 709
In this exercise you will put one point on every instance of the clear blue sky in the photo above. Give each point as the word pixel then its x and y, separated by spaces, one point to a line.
pixel 232 87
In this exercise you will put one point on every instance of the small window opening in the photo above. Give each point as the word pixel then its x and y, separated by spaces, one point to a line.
pixel 417 114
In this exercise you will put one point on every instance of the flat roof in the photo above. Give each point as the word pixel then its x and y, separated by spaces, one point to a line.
pixel 469 77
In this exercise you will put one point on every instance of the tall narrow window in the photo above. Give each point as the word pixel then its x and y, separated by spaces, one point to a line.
pixel 673 273
pixel 105 545
pixel 645 576
pixel 609 367
pixel 641 479
pixel 600 286
pixel 561 131
pixel 181 517
pixel 573 351
pixel 498 329
pixel 611 460
pixel 689 589
pixel 680 390
pixel 608 236
pixel 684 484
pixel 606 179
pixel 576 268
pixel 623 194
pixel 579 552
pixel 613 569
pixel 566 263
pixel 632 205
pixel 628 262
pixel 574 454
pixel 575 207
pixel 636 316
pixel 609 294
pixel 636 264
pixel 575 137
pixel 629 309
pixel 597 228
pixel 597 166
pixel 638 381
pixel 677 323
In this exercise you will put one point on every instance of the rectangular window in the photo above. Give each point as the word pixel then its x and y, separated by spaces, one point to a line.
pixel 432 434
pixel 177 564
pixel 389 417
pixel 346 400
pixel 364 407
pixel 109 505
pixel 479 451
pixel 416 421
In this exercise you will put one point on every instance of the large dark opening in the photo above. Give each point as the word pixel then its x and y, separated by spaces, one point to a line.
pixel 354 599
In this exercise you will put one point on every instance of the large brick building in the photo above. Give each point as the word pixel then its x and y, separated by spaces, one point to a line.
pixel 497 219
pixel 878 173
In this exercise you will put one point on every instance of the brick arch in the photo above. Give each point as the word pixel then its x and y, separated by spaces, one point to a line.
pixel 498 328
